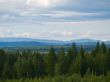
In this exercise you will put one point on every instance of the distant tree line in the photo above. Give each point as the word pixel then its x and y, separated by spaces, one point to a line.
pixel 32 65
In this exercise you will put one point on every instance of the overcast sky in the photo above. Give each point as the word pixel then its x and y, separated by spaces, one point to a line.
pixel 55 19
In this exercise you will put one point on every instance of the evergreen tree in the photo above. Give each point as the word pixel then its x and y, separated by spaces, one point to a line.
pixel 97 48
pixel 103 48
pixel 74 50
pixel 60 66
pixel 38 64
pixel 70 57
pixel 83 62
pixel 50 62
pixel 21 68
pixel 2 61
pixel 108 59
pixel 29 64
pixel 8 67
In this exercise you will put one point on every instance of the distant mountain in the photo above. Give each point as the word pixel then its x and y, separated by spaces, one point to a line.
pixel 16 39
pixel 86 41
pixel 13 42
pixel 23 44
pixel 28 40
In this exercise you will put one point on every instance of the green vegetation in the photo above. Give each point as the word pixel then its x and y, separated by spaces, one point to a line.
pixel 64 66
pixel 73 78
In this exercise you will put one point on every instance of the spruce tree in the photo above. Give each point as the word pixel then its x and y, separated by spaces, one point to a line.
pixel 50 62
pixel 2 60
pixel 60 68
pixel 38 65
pixel 83 64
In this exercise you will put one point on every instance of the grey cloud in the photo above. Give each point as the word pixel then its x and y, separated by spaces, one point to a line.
pixel 79 10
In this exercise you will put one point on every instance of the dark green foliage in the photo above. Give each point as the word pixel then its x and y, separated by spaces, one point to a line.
pixel 72 78
pixel 108 59
pixel 8 67
pixel 38 65
pixel 103 48
pixel 50 61
pixel 70 57
pixel 97 48
pixel 83 62
pixel 2 60
pixel 64 66
pixel 60 68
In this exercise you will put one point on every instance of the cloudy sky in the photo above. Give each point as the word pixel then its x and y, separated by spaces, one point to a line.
pixel 55 19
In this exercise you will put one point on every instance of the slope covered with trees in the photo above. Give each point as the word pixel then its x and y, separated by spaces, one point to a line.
pixel 65 66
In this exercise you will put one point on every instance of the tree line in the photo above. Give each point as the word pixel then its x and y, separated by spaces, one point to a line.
pixel 32 65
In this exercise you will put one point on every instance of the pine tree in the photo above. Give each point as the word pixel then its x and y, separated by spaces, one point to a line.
pixel 74 50
pixel 97 48
pixel 83 62
pixel 2 61
pixel 70 57
pixel 80 63
pixel 38 64
pixel 8 67
pixel 60 66
pixel 103 48
pixel 50 62
pixel 108 59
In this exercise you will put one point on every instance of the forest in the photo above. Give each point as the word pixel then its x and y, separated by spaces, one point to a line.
pixel 72 65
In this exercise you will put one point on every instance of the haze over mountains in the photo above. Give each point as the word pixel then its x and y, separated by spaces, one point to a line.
pixel 14 42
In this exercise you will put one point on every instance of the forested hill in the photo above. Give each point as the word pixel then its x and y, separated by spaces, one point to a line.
pixel 22 42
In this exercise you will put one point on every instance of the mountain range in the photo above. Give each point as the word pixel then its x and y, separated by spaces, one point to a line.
pixel 14 42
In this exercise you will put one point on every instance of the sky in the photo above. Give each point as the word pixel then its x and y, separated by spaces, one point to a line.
pixel 55 19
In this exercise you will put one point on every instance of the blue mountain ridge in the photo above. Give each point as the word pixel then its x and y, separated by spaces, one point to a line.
pixel 13 42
